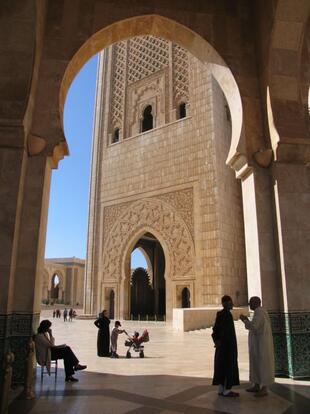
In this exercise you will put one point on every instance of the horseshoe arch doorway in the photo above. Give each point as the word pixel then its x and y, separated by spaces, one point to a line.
pixel 147 281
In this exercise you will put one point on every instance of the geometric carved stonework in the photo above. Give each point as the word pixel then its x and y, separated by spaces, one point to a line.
pixel 141 75
pixel 141 93
pixel 181 201
pixel 150 214
pixel 147 55
pixel 180 72
pixel 119 78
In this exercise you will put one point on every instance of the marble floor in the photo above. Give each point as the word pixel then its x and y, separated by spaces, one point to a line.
pixel 174 377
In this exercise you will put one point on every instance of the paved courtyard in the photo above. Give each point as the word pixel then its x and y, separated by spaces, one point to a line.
pixel 174 377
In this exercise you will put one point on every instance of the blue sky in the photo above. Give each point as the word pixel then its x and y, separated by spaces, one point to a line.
pixel 68 208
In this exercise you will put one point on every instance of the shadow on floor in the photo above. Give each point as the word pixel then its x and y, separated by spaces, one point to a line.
pixel 151 394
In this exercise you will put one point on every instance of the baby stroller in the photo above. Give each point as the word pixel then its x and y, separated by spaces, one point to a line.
pixel 135 342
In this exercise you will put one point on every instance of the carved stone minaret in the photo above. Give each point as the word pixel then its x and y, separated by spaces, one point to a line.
pixel 159 183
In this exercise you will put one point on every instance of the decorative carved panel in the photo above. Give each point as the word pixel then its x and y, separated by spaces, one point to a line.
pixel 118 84
pixel 181 201
pixel 147 55
pixel 136 64
pixel 164 220
pixel 149 91
pixel 180 64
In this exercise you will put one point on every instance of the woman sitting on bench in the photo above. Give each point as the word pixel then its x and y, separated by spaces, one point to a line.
pixel 46 350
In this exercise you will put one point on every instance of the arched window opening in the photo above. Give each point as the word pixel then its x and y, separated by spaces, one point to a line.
pixel 115 137
pixel 186 302
pixel 182 110
pixel 147 119
pixel 147 282
pixel 55 287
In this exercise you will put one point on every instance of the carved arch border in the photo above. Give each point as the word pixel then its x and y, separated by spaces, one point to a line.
pixel 159 218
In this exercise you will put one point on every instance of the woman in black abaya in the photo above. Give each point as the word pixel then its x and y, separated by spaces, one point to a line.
pixel 103 338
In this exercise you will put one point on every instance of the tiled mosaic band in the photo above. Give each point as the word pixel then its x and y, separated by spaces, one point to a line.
pixel 15 331
pixel 291 336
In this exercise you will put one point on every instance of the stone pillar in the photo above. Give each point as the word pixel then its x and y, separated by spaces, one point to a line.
pixel 29 261
pixel 124 299
pixel 72 286
pixel 68 285
pixel 291 325
pixel 276 205
pixel 155 284
pixel 12 168
pixel 262 276
pixel 12 173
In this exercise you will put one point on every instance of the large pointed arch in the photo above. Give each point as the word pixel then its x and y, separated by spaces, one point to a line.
pixel 173 31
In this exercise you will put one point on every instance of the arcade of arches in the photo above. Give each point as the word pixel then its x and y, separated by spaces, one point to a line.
pixel 256 58
pixel 63 281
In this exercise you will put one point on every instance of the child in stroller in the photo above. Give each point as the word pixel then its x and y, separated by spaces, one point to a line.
pixel 135 342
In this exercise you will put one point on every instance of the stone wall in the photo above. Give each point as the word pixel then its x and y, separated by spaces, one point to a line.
pixel 71 274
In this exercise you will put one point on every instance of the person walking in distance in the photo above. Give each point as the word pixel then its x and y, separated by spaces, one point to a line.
pixel 65 314
pixel 103 337
pixel 70 314
pixel 226 372
pixel 261 351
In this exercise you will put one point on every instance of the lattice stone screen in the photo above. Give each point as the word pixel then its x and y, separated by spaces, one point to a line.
pixel 137 59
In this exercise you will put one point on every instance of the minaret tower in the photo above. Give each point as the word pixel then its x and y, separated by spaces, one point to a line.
pixel 159 183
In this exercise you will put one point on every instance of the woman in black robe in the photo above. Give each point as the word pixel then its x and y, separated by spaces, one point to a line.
pixel 226 372
pixel 103 338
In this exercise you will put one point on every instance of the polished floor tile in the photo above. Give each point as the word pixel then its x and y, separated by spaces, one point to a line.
pixel 174 377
